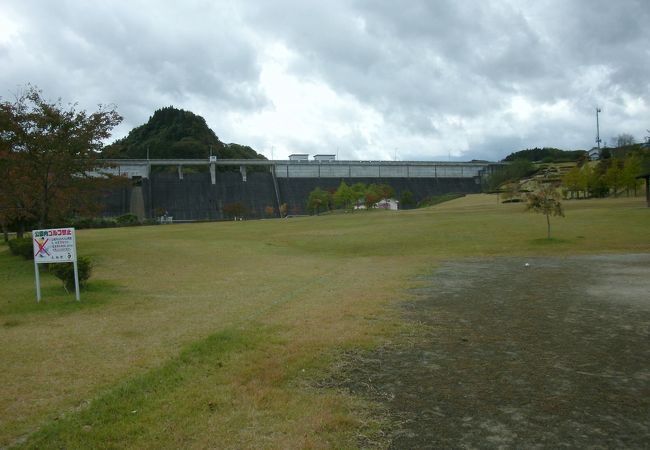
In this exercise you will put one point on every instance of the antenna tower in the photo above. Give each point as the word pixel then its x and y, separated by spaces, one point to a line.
pixel 598 140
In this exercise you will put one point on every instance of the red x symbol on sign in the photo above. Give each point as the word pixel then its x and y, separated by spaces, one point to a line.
pixel 41 248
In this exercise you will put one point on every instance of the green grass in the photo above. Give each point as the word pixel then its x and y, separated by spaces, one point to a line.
pixel 16 275
pixel 134 410
pixel 215 333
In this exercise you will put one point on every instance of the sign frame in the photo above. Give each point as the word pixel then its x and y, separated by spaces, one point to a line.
pixel 55 245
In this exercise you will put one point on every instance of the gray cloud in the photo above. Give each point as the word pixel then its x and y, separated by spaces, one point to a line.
pixel 443 76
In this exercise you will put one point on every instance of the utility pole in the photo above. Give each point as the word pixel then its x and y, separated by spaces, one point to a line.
pixel 598 128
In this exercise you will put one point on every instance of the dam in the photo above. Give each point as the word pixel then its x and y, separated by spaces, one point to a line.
pixel 199 189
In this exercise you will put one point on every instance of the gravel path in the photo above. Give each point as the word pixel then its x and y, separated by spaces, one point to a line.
pixel 503 355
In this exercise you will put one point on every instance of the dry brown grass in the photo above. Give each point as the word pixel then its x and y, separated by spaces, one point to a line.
pixel 307 288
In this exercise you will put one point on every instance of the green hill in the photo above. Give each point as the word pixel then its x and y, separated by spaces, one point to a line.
pixel 546 154
pixel 176 133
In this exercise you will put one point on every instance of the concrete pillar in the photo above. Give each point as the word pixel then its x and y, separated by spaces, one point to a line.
pixel 137 202
pixel 213 173
pixel 242 170
pixel 180 172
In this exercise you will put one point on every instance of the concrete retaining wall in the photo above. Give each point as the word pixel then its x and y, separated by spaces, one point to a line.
pixel 196 198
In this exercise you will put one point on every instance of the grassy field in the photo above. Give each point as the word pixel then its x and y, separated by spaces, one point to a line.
pixel 215 334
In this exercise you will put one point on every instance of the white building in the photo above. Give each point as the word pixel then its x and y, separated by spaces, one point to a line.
pixel 324 157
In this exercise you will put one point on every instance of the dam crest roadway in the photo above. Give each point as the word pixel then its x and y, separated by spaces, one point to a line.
pixel 141 168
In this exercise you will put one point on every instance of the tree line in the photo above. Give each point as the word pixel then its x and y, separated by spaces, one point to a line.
pixel 353 197
pixel 611 175
pixel 607 177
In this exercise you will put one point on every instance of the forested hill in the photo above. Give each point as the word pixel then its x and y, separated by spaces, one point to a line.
pixel 175 133
pixel 546 154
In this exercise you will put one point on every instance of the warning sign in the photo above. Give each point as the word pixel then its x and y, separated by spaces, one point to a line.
pixel 54 246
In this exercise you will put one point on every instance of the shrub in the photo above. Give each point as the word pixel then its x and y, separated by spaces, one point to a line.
pixel 87 222
pixel 127 219
pixel 22 247
pixel 65 272
pixel 235 210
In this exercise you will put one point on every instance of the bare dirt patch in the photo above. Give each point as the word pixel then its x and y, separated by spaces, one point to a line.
pixel 553 355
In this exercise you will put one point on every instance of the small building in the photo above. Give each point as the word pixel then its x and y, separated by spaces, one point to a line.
pixel 299 157
pixel 594 154
pixel 389 203
pixel 324 157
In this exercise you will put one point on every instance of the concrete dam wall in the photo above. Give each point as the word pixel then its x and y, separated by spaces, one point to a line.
pixel 195 197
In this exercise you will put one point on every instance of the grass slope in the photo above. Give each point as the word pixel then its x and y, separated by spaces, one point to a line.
pixel 214 333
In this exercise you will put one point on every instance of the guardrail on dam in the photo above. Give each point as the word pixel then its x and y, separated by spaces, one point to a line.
pixel 188 195
pixel 314 169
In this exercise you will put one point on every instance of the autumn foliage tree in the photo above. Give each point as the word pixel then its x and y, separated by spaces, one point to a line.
pixel 47 151
pixel 318 201
pixel 545 200
pixel 236 210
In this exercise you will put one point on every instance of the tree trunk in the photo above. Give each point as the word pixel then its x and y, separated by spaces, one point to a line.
pixel 5 230
pixel 20 230
pixel 548 226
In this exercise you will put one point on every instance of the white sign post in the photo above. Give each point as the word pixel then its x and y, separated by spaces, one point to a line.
pixel 56 245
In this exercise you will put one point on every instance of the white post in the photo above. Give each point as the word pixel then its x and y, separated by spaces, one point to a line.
pixel 76 280
pixel 38 282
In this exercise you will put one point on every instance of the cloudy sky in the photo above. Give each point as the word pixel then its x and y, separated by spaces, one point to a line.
pixel 409 80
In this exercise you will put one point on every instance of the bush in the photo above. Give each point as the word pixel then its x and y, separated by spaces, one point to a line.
pixel 127 219
pixel 88 222
pixel 65 272
pixel 22 247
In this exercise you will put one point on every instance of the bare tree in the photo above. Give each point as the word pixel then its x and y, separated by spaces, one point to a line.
pixel 624 139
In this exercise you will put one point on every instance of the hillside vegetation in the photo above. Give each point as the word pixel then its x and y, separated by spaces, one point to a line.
pixel 176 133
pixel 217 335
pixel 546 154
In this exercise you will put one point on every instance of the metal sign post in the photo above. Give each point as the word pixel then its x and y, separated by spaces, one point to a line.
pixel 56 245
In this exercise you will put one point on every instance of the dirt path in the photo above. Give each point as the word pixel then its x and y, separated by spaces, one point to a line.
pixel 553 355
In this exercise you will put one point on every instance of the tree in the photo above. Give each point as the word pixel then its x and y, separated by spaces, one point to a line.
pixel 624 139
pixel 406 200
pixel 48 151
pixel 386 191
pixel 545 200
pixel 344 196
pixel 632 167
pixel 235 210
pixel 571 181
pixel 359 193
pixel 614 177
pixel 372 195
pixel 318 200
